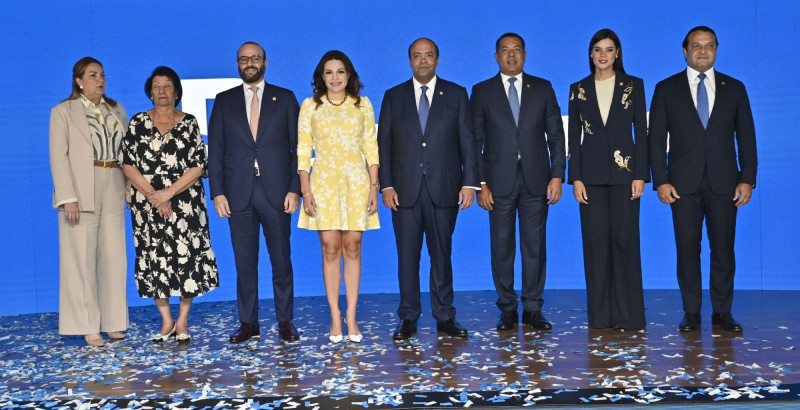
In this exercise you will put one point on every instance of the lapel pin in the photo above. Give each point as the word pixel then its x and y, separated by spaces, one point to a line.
pixel 620 83
pixel 527 86
pixel 723 83
pixel 441 92
pixel 274 98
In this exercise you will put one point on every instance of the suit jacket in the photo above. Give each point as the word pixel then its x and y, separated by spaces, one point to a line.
pixel 608 154
pixel 445 152
pixel 232 151
pixel 539 138
pixel 71 152
pixel 692 149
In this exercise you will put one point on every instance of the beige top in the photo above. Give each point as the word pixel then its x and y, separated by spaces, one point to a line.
pixel 605 93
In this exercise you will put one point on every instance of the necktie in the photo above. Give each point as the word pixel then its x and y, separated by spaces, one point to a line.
pixel 702 100
pixel 254 112
pixel 424 108
pixel 513 99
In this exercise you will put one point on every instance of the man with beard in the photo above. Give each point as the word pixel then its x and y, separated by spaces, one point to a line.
pixel 252 172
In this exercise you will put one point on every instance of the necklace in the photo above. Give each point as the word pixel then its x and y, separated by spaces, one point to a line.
pixel 336 104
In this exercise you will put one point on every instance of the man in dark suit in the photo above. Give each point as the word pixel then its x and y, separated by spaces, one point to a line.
pixel 252 172
pixel 428 168
pixel 519 129
pixel 707 116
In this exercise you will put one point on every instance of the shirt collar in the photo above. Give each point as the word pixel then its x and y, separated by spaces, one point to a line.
pixel 260 85
pixel 431 84
pixel 692 74
pixel 89 104
pixel 506 77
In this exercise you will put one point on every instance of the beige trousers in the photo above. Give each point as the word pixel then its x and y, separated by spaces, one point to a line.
pixel 93 263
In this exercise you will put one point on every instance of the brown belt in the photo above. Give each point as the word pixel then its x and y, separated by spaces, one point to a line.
pixel 106 164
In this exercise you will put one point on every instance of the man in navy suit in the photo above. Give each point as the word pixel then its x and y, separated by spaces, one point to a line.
pixel 428 168
pixel 252 172
pixel 707 116
pixel 518 126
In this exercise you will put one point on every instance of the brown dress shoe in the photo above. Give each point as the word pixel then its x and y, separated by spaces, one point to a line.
pixel 246 331
pixel 288 332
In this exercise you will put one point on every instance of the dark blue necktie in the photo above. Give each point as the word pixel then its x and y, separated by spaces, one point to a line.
pixel 424 108
pixel 702 100
pixel 513 99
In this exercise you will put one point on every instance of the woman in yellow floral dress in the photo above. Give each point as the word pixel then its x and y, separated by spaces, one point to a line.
pixel 340 198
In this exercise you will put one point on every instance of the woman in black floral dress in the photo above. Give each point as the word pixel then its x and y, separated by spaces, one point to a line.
pixel 163 156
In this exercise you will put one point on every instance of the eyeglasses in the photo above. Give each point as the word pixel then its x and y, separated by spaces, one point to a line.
pixel 254 58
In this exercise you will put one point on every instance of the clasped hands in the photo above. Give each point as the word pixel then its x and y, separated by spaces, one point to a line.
pixel 161 201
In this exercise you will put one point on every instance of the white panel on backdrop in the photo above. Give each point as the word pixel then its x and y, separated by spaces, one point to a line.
pixel 197 91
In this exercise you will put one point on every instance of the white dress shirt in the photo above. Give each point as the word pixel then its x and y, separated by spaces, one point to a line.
pixel 517 85
pixel 710 83
pixel 418 90
pixel 248 99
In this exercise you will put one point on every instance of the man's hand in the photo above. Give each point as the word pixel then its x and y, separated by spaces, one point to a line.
pixel 221 206
pixel 291 202
pixel 743 194
pixel 465 197
pixel 485 198
pixel 390 199
pixel 667 194
pixel 554 191
pixel 579 191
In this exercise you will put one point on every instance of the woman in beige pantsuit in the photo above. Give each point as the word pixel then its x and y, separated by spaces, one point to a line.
pixel 89 192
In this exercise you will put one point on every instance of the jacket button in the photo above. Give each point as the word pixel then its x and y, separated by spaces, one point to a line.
pixel 421 164
pixel 424 144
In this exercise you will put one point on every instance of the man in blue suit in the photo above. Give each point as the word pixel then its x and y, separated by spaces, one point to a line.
pixel 709 172
pixel 252 173
pixel 428 168
pixel 518 126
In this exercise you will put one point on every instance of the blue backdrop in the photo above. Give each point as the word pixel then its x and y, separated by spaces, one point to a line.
pixel 42 40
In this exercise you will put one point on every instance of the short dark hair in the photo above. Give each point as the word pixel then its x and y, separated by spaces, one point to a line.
pixel 435 47
pixel 497 43
pixel 263 52
pixel 164 71
pixel 699 28
pixel 602 34
pixel 353 87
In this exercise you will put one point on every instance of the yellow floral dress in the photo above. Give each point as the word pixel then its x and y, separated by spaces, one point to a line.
pixel 342 138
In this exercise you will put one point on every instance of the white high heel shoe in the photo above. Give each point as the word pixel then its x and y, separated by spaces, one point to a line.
pixel 355 338
pixel 158 337
pixel 335 338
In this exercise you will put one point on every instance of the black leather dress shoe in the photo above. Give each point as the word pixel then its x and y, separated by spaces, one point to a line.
pixel 690 322
pixel 405 329
pixel 507 320
pixel 452 328
pixel 246 331
pixel 726 322
pixel 536 320
pixel 288 332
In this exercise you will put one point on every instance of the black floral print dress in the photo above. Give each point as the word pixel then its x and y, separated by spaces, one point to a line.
pixel 173 255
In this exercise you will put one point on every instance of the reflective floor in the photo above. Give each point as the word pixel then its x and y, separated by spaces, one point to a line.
pixel 36 364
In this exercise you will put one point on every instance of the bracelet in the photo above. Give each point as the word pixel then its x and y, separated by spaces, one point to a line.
pixel 307 194
pixel 376 185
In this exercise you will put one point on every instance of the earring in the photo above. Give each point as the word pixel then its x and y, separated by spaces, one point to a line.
pixel 81 87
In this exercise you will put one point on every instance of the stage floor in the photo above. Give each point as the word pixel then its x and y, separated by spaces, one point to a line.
pixel 569 365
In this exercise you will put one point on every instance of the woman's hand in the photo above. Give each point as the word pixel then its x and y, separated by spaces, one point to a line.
pixel 159 198
pixel 372 201
pixel 637 189
pixel 72 214
pixel 309 204
pixel 165 210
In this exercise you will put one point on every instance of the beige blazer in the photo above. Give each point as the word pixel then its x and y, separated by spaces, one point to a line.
pixel 71 153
